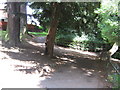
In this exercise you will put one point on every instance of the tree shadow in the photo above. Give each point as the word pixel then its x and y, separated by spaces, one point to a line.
pixel 63 62
pixel 29 52
pixel 81 71
pixel 26 53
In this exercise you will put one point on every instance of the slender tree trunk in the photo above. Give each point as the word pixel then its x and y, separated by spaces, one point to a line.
pixel 52 31
pixel 113 49
pixel 107 55
pixel 14 23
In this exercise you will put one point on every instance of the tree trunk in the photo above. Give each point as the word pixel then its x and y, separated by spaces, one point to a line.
pixel 107 55
pixel 52 31
pixel 14 23
pixel 23 20
pixel 113 49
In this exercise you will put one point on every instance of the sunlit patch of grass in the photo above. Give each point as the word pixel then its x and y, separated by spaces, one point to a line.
pixel 38 34
pixel 3 35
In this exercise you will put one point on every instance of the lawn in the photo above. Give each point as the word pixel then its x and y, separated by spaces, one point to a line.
pixel 38 34
pixel 3 34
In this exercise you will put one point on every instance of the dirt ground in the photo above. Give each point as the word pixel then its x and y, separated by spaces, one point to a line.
pixel 28 67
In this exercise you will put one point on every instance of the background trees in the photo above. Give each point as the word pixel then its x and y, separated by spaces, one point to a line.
pixel 74 19
pixel 79 26
pixel 110 30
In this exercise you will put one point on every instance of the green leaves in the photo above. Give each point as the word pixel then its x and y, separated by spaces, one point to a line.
pixel 74 15
pixel 109 24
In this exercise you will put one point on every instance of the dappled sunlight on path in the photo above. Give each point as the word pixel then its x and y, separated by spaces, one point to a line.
pixel 64 77
pixel 10 78
pixel 24 68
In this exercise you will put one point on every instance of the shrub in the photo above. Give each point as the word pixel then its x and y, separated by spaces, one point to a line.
pixel 88 45
pixel 69 38
pixel 64 40
pixel 64 37
pixel 87 42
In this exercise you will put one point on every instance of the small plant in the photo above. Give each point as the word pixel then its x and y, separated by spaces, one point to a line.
pixel 115 80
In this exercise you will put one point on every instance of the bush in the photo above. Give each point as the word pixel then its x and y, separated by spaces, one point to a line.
pixel 69 38
pixel 65 37
pixel 88 42
pixel 88 45
pixel 64 40
pixel 114 78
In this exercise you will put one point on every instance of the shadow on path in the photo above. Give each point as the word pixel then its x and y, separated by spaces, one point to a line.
pixel 68 69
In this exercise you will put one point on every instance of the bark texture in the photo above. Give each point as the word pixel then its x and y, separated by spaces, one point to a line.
pixel 23 20
pixel 14 23
pixel 52 31
pixel 23 17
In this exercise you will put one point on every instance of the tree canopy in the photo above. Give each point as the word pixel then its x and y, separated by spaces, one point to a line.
pixel 109 23
pixel 74 19
pixel 81 24
pixel 75 15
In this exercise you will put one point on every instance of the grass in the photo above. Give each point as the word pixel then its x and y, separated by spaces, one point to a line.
pixel 38 34
pixel 3 34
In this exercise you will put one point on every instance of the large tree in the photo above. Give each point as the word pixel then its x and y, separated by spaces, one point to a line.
pixel 23 17
pixel 17 21
pixel 14 23
pixel 53 15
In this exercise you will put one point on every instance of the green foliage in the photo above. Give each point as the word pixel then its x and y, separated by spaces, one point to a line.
pixel 40 27
pixel 75 19
pixel 79 18
pixel 115 80
pixel 117 55
pixel 69 38
pixel 109 23
pixel 65 37
pixel 88 43
pixel 42 12
pixel 75 15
